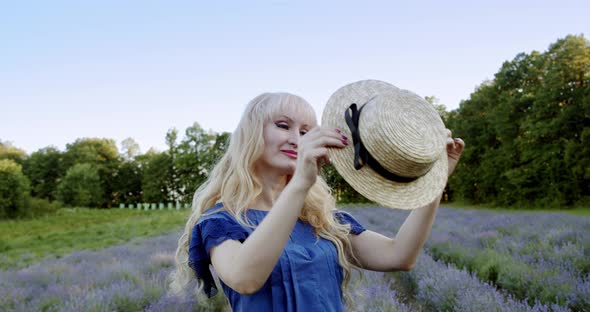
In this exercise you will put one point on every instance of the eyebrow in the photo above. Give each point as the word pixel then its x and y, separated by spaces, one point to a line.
pixel 289 118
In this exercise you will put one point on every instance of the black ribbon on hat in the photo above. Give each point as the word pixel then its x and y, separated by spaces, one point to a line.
pixel 361 153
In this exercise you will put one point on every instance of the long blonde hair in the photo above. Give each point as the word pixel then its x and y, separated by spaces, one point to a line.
pixel 233 182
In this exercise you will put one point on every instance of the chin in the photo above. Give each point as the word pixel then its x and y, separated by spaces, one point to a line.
pixel 289 170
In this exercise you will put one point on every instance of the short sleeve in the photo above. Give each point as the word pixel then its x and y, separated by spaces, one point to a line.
pixel 346 218
pixel 206 234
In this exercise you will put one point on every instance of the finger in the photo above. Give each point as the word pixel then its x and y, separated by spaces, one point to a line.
pixel 460 145
pixel 450 143
pixel 325 161
pixel 325 133
pixel 319 153
pixel 449 133
pixel 322 161
pixel 329 142
pixel 336 133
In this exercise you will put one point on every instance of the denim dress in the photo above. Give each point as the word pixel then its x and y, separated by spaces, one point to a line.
pixel 307 276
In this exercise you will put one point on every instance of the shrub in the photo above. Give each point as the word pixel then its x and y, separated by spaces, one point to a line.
pixel 41 207
pixel 81 186
pixel 14 190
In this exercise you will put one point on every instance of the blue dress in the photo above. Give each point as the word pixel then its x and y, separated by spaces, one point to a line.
pixel 307 276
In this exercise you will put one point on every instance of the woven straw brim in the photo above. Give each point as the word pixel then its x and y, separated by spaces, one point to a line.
pixel 367 182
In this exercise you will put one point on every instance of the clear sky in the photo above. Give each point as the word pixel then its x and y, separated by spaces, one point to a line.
pixel 118 69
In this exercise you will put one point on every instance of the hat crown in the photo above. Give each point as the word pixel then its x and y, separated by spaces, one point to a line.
pixel 403 132
pixel 398 158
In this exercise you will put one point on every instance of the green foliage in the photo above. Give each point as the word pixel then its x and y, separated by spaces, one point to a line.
pixel 175 174
pixel 41 207
pixel 104 155
pixel 75 229
pixel 527 131
pixel 130 148
pixel 45 168
pixel 155 180
pixel 127 182
pixel 81 186
pixel 14 190
pixel 91 150
pixel 7 151
pixel 194 157
pixel 440 108
pixel 342 191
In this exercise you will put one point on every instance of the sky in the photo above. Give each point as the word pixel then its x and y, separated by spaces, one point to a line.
pixel 119 69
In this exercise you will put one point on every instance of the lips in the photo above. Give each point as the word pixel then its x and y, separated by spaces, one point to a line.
pixel 291 154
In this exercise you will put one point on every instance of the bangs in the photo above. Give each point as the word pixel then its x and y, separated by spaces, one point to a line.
pixel 293 106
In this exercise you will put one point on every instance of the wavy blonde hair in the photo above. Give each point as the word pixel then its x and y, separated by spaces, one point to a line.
pixel 234 183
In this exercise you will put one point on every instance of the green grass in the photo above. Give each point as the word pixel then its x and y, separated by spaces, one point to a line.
pixel 23 242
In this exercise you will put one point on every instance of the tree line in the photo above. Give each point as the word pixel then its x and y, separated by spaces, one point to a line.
pixel 92 172
pixel 527 133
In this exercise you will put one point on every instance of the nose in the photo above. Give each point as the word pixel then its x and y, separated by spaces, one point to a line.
pixel 293 138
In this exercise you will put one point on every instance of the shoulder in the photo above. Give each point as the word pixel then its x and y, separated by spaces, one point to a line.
pixel 215 212
pixel 214 226
pixel 341 215
pixel 345 217
pixel 215 219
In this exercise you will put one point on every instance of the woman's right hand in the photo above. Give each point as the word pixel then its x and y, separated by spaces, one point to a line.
pixel 312 153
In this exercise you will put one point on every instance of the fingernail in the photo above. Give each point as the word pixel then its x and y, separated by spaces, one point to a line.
pixel 344 137
pixel 337 130
pixel 344 142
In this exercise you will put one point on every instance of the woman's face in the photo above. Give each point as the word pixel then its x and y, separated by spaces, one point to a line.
pixel 281 139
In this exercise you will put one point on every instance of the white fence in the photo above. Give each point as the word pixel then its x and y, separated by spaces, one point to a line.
pixel 153 206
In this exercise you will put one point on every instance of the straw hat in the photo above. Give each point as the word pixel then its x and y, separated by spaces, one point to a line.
pixel 400 143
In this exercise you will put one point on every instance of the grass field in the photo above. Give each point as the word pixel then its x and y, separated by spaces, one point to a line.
pixel 27 241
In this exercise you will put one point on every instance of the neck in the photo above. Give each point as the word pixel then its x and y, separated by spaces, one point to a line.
pixel 272 186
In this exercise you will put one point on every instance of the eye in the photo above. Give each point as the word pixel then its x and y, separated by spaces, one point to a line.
pixel 282 125
pixel 302 132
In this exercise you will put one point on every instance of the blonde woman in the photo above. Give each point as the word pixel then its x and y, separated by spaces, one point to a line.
pixel 267 224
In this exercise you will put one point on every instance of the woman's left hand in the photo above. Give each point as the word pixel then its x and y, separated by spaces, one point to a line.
pixel 455 148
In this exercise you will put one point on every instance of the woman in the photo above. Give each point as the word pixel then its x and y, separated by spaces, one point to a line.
pixel 268 225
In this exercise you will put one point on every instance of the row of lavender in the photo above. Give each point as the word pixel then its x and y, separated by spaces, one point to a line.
pixel 132 277
pixel 533 256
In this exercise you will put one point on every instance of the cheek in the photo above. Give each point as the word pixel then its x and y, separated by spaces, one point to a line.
pixel 272 139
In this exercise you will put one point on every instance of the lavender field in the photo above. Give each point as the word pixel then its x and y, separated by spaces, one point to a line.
pixel 474 261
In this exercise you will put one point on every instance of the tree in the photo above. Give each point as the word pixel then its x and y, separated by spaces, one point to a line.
pixel 527 131
pixel 81 186
pixel 197 153
pixel 342 191
pixel 127 182
pixel 556 124
pixel 103 154
pixel 173 178
pixel 130 148
pixel 7 151
pixel 14 190
pixel 155 180
pixel 45 169
pixel 440 108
